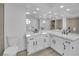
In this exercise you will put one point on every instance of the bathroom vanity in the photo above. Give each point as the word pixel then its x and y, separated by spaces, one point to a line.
pixel 37 42
pixel 65 45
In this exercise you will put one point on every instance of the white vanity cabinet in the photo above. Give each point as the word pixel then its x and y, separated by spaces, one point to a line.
pixel 64 46
pixel 57 44
pixel 37 42
pixel 52 42
pixel 31 45
pixel 71 48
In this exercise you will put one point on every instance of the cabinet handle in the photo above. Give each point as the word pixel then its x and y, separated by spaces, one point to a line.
pixel 33 43
pixel 63 43
pixel 64 47
pixel 36 42
pixel 72 48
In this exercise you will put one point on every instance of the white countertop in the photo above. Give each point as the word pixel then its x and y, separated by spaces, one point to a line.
pixel 71 36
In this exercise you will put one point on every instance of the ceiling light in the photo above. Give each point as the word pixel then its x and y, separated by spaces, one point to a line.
pixel 61 6
pixel 67 9
pixel 37 9
pixel 27 12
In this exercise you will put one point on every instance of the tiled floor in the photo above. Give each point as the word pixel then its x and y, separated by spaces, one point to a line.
pixel 45 52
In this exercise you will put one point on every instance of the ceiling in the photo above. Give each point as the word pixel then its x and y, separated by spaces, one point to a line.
pixel 53 10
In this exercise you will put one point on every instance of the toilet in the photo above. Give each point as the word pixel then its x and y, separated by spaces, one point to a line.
pixel 11 51
pixel 12 46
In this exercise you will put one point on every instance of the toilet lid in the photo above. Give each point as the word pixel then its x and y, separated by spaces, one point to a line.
pixel 11 50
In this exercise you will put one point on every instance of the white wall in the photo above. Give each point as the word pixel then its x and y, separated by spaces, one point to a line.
pixel 14 22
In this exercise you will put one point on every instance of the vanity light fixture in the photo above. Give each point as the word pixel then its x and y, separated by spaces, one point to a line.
pixel 62 6
pixel 28 21
pixel 67 9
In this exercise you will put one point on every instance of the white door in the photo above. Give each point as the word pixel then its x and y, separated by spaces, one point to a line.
pixel 46 41
pixel 31 45
pixel 39 42
pixel 59 45
pixel 53 42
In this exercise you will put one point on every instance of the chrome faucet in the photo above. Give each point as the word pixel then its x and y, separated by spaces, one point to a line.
pixel 66 31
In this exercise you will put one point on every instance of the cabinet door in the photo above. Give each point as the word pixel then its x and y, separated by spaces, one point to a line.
pixel 59 45
pixel 39 43
pixel 75 49
pixel 31 45
pixel 46 41
pixel 67 51
pixel 70 49
pixel 53 42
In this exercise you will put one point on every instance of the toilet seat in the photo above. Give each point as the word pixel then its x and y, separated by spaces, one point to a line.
pixel 11 51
